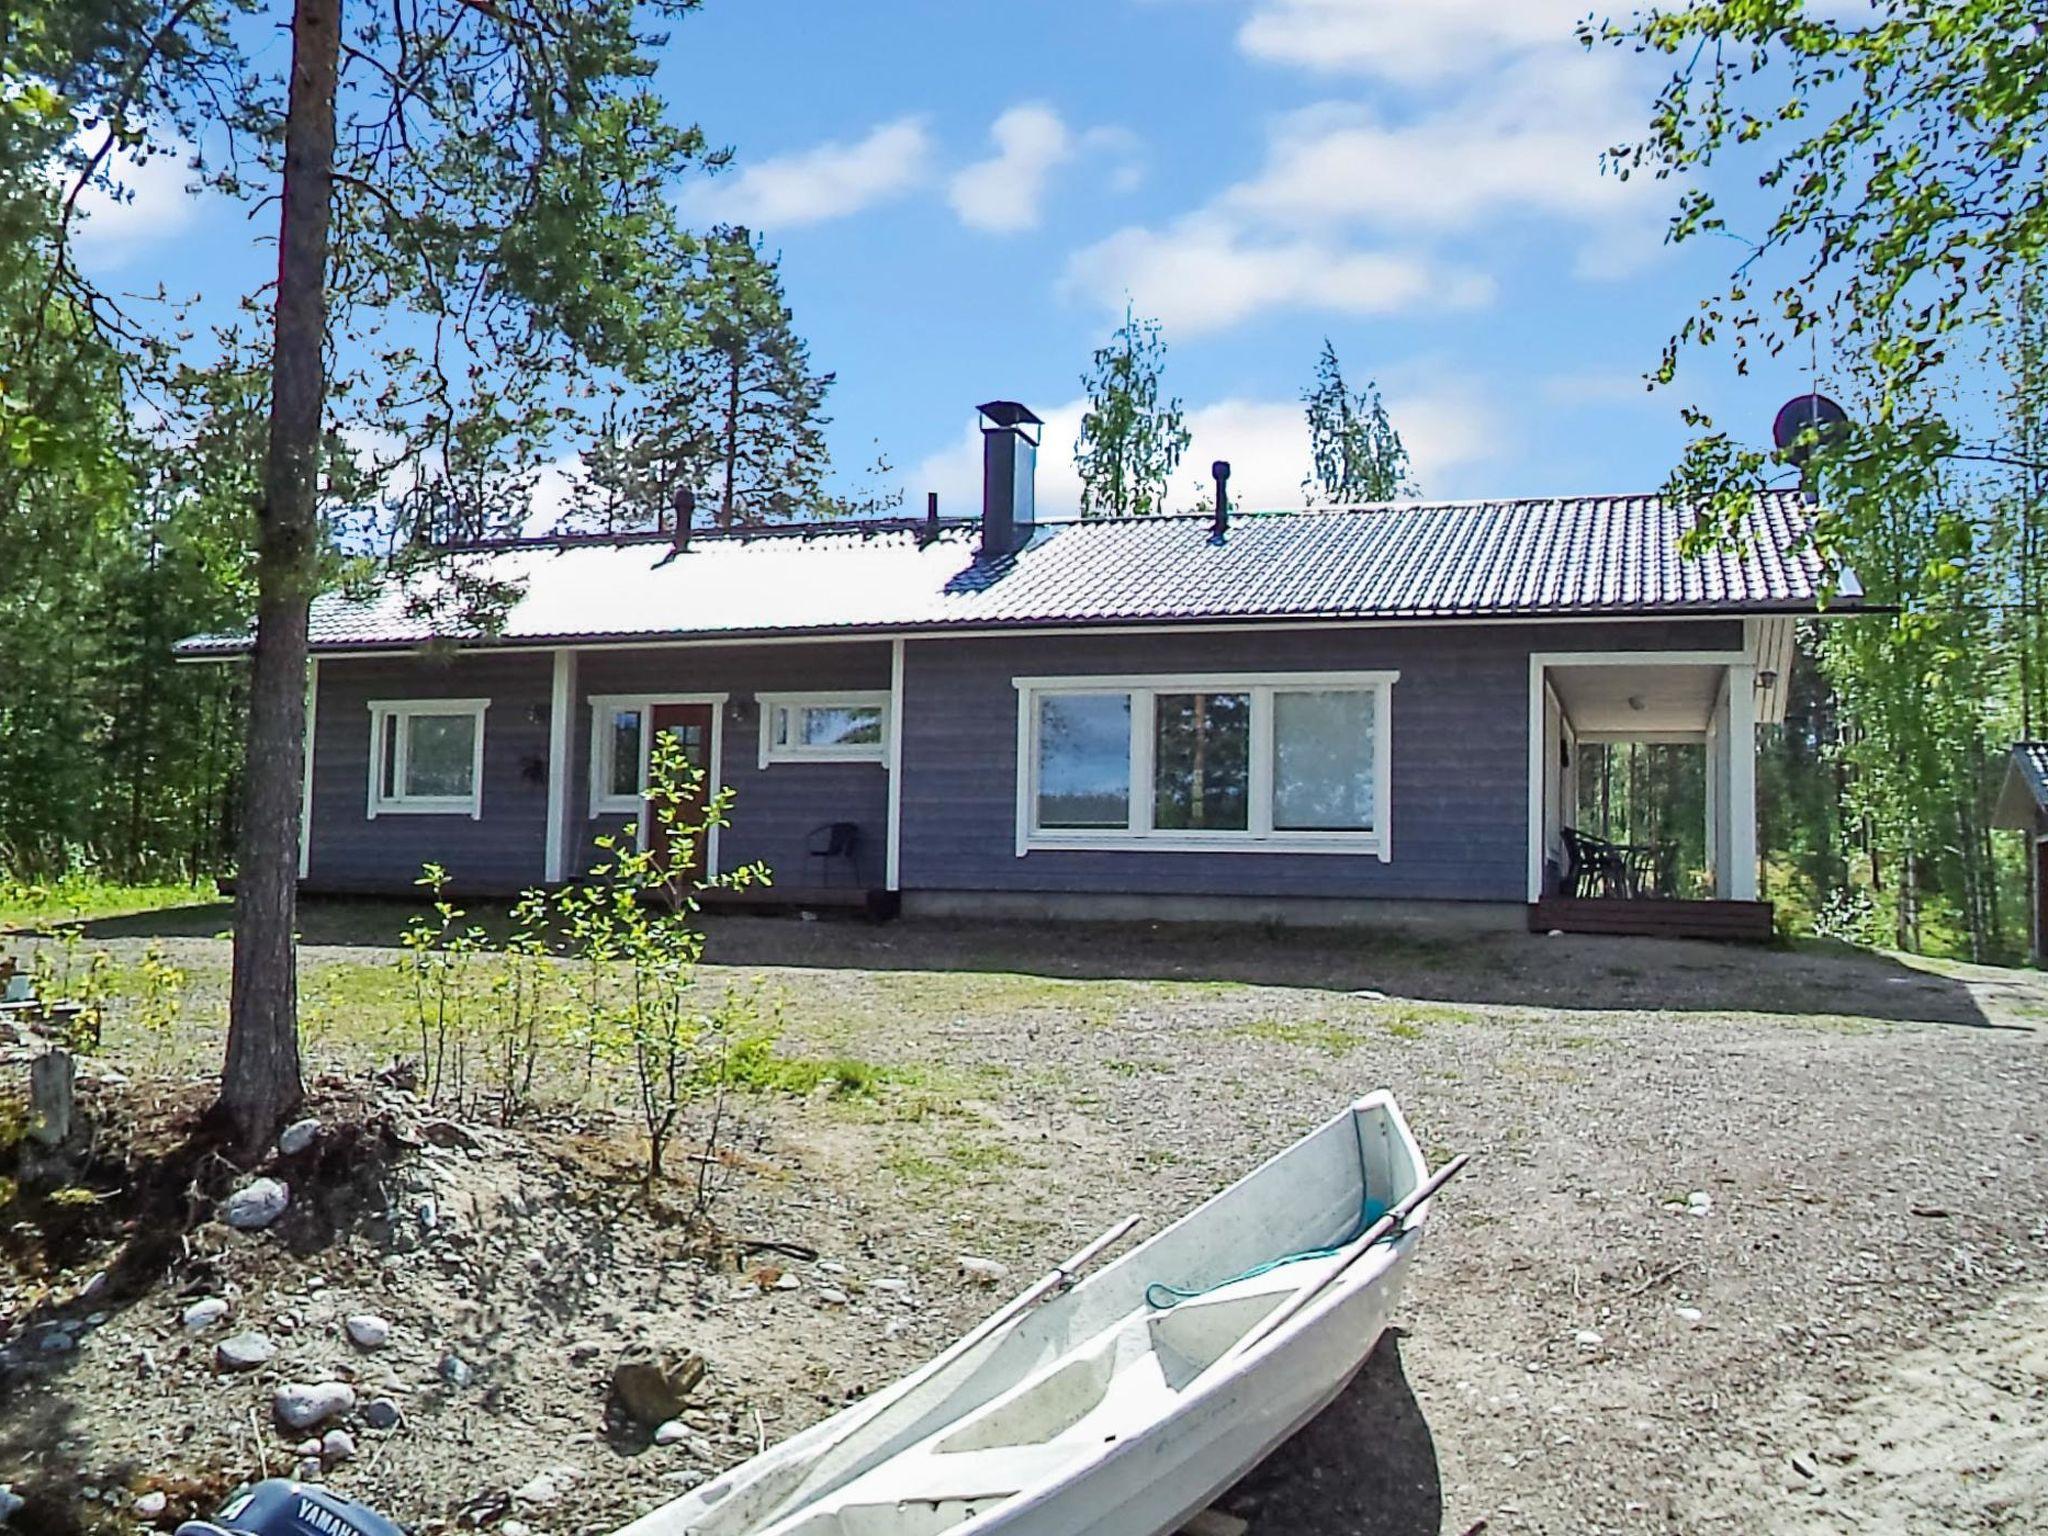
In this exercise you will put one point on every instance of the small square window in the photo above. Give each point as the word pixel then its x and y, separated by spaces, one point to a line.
pixel 427 757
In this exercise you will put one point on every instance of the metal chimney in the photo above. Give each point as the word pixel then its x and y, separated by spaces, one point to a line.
pixel 1221 525
pixel 1009 465
pixel 686 512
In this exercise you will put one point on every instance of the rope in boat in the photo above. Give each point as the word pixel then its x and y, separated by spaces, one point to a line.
pixel 1160 1296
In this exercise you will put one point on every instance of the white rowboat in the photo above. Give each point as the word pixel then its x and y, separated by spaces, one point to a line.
pixel 1097 1412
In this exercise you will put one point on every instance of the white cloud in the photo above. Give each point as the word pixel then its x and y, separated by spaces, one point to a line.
pixel 826 181
pixel 1521 143
pixel 132 203
pixel 1445 428
pixel 1003 194
pixel 1410 41
pixel 1207 273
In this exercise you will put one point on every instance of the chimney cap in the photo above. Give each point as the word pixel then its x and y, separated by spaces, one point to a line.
pixel 1220 469
pixel 1008 413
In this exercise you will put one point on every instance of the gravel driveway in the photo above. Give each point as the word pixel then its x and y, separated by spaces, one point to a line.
pixel 1752 1239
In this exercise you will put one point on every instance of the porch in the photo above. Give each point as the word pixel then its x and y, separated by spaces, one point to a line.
pixel 1642 774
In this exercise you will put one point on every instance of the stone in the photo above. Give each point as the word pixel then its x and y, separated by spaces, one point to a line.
pixel 243 1352
pixel 298 1136
pixel 831 1296
pixel 1699 1202
pixel 56 1342
pixel 982 1271
pixel 337 1445
pixel 1588 1338
pixel 546 1487
pixel 456 1371
pixel 515 1528
pixel 366 1330
pixel 381 1413
pixel 152 1504
pixel 649 1385
pixel 788 1282
pixel 1804 1467
pixel 256 1204
pixel 52 1077
pixel 10 1502
pixel 1691 1316
pixel 672 1432
pixel 307 1405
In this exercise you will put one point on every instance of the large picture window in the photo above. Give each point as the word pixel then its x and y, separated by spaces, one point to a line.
pixel 427 757
pixel 1280 762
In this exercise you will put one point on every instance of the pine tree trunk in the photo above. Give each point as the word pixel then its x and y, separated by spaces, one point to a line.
pixel 732 440
pixel 260 1084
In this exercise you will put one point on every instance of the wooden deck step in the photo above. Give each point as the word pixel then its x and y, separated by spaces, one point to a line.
pixel 1748 922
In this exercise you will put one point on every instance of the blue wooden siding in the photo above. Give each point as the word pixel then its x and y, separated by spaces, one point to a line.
pixel 1460 747
pixel 775 808
pixel 1459 751
pixel 773 813
pixel 504 851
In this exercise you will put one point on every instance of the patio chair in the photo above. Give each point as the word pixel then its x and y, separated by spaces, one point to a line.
pixel 1594 866
pixel 835 840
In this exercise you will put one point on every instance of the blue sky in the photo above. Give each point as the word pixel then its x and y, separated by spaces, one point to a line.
pixel 964 194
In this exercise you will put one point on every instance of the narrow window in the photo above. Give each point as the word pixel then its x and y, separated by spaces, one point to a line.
pixel 1084 760
pixel 622 779
pixel 842 725
pixel 1323 761
pixel 1201 762
pixel 824 727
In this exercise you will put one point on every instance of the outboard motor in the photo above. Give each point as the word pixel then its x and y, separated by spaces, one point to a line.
pixel 278 1506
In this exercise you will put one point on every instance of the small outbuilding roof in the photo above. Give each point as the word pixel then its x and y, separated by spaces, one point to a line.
pixel 2023 798
pixel 1573 556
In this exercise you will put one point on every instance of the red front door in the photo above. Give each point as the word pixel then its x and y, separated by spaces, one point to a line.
pixel 688 725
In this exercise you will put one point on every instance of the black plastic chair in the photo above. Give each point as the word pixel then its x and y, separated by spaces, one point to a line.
pixel 835 840
pixel 1594 866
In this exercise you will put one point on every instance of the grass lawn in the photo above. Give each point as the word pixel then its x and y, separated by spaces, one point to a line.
pixel 32 906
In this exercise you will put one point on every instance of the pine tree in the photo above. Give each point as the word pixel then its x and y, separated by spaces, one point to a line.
pixel 735 414
pixel 1130 438
pixel 1357 453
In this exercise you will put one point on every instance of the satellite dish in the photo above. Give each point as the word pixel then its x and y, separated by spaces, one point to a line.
pixel 1799 414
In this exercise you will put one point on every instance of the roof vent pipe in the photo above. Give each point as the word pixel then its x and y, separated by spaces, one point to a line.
pixel 931 518
pixel 686 512
pixel 1009 463
pixel 1221 526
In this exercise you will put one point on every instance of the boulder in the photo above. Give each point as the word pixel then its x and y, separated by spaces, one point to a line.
pixel 304 1405
pixel 381 1413
pixel 366 1330
pixel 244 1352
pixel 204 1313
pixel 256 1204
pixel 298 1136
pixel 649 1385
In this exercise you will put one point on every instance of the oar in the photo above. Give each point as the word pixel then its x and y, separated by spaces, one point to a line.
pixel 1396 1217
pixel 863 1419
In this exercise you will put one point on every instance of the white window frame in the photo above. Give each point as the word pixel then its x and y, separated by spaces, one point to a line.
pixel 1260 836
pixel 399 803
pixel 844 698
pixel 605 804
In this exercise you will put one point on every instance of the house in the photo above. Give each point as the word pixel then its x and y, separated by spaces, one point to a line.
pixel 2023 807
pixel 1319 715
